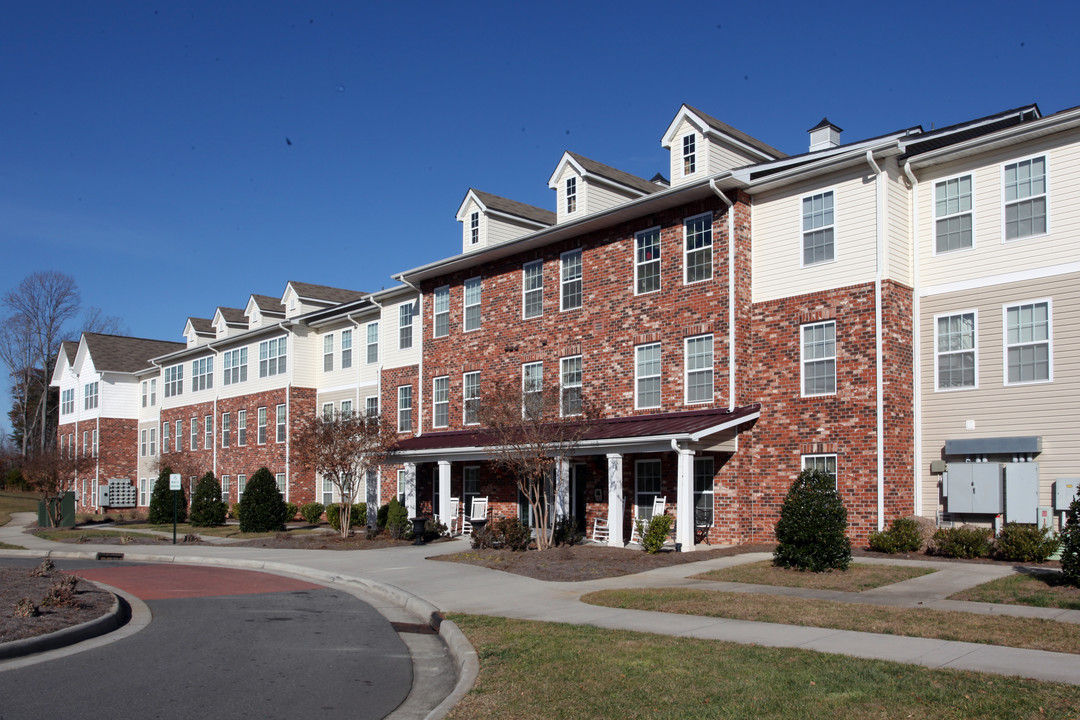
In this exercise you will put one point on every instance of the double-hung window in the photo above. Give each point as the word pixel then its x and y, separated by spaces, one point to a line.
pixel 280 415
pixel 952 214
pixel 346 408
pixel 241 485
pixel 703 492
pixel 235 362
pixel 241 428
pixel 225 488
pixel 373 342
pixel 165 439
pixel 153 392
pixel 371 406
pixel 90 396
pixel 208 432
pixel 405 326
pixel 1028 343
pixel 67 401
pixel 327 411
pixel 94 436
pixel 824 463
pixel 689 154
pixel 474 228
pixel 194 439
pixel 819 358
pixel 280 479
pixel 179 435
pixel 272 357
pixel 145 392
pixel 571 195
pixel 174 380
pixel 328 353
pixel 955 349
pixel 647 261
pixel 1025 198
pixel 346 349
pixel 647 376
pixel 404 394
pixel 818 229
pixel 532 389
pixel 226 429
pixel 570 280
pixel 471 397
pixel 442 311
pixel 142 443
pixel 262 426
pixel 698 231
pixel 699 369
pixel 532 289
pixel 570 385
pixel 202 374
pixel 440 397
pixel 472 304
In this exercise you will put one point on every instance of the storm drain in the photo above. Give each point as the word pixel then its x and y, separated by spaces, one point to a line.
pixel 417 628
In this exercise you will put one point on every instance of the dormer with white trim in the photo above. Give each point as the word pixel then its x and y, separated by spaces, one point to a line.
pixel 584 186
pixel 701 146
pixel 488 220
pixel 300 298
pixel 228 321
pixel 263 310
pixel 199 331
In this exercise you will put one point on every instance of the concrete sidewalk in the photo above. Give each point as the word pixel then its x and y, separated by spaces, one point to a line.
pixel 456 587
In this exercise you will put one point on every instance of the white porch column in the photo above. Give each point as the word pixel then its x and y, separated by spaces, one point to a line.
pixel 615 499
pixel 444 492
pixel 562 488
pixel 410 488
pixel 684 510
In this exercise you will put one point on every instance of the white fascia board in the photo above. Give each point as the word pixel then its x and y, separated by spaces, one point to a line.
pixel 471 195
pixel 851 157
pixel 515 218
pixel 279 327
pixel 701 434
pixel 563 162
pixel 683 114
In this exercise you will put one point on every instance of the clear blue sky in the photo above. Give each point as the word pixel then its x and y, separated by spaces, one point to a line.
pixel 146 146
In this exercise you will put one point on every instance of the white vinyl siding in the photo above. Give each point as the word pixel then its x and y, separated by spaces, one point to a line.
pixel 819 359
pixel 955 350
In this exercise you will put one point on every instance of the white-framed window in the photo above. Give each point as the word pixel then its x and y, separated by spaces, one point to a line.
pixel 241 485
pixel 699 369
pixel 202 374
pixel 272 357
pixel 441 307
pixel 144 492
pixel 571 195
pixel 570 385
pixel 165 439
pixel 532 289
pixel 241 428
pixel 90 396
pixel 819 358
pixel 474 228
pixel 85 442
pixel 647 484
pixel 698 232
pixel 153 441
pixel 174 380
pixel 145 392
pixel 346 408
pixel 953 221
pixel 372 342
pixel 208 432
pixel 280 415
pixel 440 398
pixel 647 261
pixel 404 401
pixel 328 353
pixel 824 463
pixel 346 349
pixel 67 401
pixel 689 154
pixel 472 304
pixel 142 443
pixel 327 411
pixel 261 427
pixel 327 491
pixel 226 429
pixel 470 397
pixel 279 478
pixel 703 492
pixel 956 351
pixel 179 435
pixel 570 280
pixel 194 438
pixel 401 480
pixel 235 362
pixel 1028 343
pixel 405 326
pixel 225 488
pixel 153 392
pixel 532 388
pixel 647 381
pixel 1025 198
pixel 371 406
pixel 818 229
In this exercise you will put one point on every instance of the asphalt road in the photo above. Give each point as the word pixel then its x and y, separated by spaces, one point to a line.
pixel 224 643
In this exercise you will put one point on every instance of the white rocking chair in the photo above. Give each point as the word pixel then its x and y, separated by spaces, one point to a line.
pixel 659 507
pixel 600 530
pixel 451 521
pixel 478 511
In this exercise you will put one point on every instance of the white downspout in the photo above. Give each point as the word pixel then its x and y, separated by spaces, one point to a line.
pixel 878 352
pixel 374 494
pixel 731 291
pixel 217 391
pixel 916 344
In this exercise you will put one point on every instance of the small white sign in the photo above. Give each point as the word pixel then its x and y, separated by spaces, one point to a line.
pixel 175 481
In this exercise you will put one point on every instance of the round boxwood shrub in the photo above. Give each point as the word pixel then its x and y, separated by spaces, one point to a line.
pixel 904 535
pixel 312 512
pixel 262 509
pixel 357 515
pixel 161 501
pixel 207 507
pixel 1070 544
pixel 964 541
pixel 810 534
pixel 1025 543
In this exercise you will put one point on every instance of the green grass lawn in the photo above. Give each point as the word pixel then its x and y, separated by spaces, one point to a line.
pixel 552 670
pixel 13 501
pixel 858 576
pixel 1038 588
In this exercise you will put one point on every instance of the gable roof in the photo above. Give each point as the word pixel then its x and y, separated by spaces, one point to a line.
pixel 612 175
pixel 201 326
pixel 118 353
pixel 267 305
pixel 505 206
pixel 232 316
pixel 70 348
pixel 324 293
pixel 720 128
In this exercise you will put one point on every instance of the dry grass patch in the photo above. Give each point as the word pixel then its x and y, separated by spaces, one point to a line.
pixel 856 578
pixel 8 546
pixel 1032 633
pixel 551 670
pixel 1040 588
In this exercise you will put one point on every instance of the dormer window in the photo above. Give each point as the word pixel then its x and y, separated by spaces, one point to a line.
pixel 474 228
pixel 571 195
pixel 689 154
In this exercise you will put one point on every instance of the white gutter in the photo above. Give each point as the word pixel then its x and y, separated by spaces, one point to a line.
pixel 878 353
pixel 216 440
pixel 916 344
pixel 731 290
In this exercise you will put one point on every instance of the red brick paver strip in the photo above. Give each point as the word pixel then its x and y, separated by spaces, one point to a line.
pixel 164 582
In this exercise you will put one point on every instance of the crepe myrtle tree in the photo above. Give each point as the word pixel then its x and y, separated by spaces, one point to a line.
pixel 529 428
pixel 51 473
pixel 342 448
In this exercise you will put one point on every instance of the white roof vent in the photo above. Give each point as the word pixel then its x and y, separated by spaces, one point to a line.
pixel 824 135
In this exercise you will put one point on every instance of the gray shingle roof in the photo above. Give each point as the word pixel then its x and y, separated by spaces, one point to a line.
pixel 615 175
pixel 515 208
pixel 202 326
pixel 117 353
pixel 737 134
pixel 233 316
pixel 268 305
pixel 70 348
pixel 308 291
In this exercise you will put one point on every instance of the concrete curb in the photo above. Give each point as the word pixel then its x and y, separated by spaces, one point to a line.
pixel 113 619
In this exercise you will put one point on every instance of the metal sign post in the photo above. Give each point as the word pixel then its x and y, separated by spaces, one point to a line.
pixel 175 481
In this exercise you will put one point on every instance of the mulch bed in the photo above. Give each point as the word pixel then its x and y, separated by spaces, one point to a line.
pixel 588 562
pixel 16 584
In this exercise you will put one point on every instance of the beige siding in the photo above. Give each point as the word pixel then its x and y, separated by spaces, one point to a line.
pixel 725 156
pixel 777 237
pixel 676 167
pixel 600 197
pixel 1045 409
pixel 560 195
pixel 118 397
pixel 305 355
pixel 898 228
pixel 391 354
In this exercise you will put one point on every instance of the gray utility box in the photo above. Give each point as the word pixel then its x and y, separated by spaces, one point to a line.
pixel 974 488
pixel 118 493
pixel 1022 492
pixel 1065 491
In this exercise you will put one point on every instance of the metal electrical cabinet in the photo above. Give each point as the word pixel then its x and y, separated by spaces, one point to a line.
pixel 1065 491
pixel 974 488
pixel 1022 492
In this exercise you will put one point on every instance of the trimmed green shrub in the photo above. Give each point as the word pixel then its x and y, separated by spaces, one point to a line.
pixel 904 535
pixel 357 515
pixel 312 512
pixel 1070 544
pixel 290 511
pixel 161 501
pixel 965 541
pixel 207 507
pixel 397 519
pixel 654 533
pixel 511 533
pixel 810 533
pixel 262 509
pixel 1025 543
